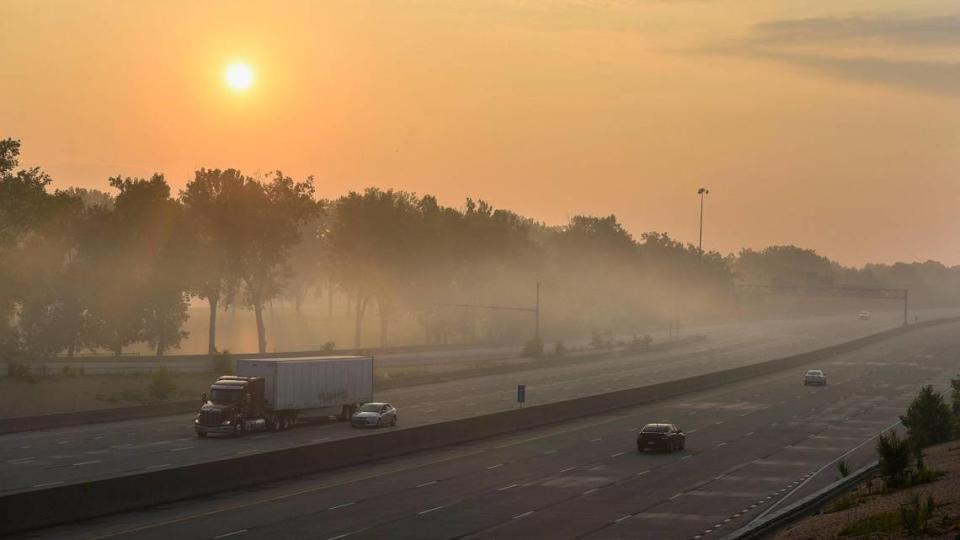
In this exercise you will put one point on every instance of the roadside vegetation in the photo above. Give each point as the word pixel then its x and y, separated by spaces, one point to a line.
pixel 908 498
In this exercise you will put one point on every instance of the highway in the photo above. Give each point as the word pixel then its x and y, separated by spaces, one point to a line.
pixel 34 460
pixel 750 445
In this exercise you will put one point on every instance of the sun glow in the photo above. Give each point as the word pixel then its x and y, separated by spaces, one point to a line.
pixel 238 76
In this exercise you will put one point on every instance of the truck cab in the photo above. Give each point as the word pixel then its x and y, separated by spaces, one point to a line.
pixel 233 406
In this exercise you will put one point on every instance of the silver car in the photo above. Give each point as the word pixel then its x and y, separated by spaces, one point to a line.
pixel 815 376
pixel 374 415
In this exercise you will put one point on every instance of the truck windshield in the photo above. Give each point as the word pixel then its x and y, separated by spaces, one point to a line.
pixel 222 394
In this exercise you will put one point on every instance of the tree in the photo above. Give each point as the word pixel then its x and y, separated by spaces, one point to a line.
pixel 273 212
pixel 894 456
pixel 212 204
pixel 928 419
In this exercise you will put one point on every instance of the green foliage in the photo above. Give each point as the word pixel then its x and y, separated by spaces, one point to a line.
pixel 884 522
pixel 161 384
pixel 894 455
pixel 328 347
pixel 533 348
pixel 915 514
pixel 928 419
pixel 843 468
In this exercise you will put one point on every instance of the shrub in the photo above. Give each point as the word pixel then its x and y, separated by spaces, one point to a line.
pixel 596 340
pixel 843 468
pixel 928 419
pixel 18 370
pixel 894 456
pixel 222 363
pixel 955 404
pixel 559 349
pixel 161 384
pixel 533 348
pixel 328 347
pixel 883 522
pixel 914 515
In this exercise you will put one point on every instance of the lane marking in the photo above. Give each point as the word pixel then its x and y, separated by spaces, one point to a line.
pixel 641 473
pixel 425 484
pixel 523 515
pixel 568 469
pixel 495 466
pixel 180 449
pixel 748 434
pixel 618 454
pixel 241 531
pixel 91 462
pixel 152 467
pixel 589 491
pixel 628 516
pixel 672 497
pixel 22 460
pixel 596 440
pixel 511 486
pixel 427 511
pixel 47 484
pixel 548 452
pixel 344 505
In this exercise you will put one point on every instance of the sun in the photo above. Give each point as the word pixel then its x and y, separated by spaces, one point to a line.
pixel 238 76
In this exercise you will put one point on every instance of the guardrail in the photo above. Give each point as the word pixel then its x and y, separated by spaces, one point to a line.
pixel 60 504
pixel 767 525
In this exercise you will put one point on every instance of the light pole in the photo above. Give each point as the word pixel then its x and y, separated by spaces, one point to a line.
pixel 701 192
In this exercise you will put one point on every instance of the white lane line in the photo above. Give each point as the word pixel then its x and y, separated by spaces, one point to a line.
pixel 180 449
pixel 152 467
pixel 641 473
pixel 748 434
pixel 511 486
pixel 63 442
pixel 247 451
pixel 618 454
pixel 425 484
pixel 598 439
pixel 428 510
pixel 626 517
pixel 94 452
pixel 589 491
pixel 47 484
pixel 568 469
pixel 718 423
pixel 91 462
pixel 688 456
pixel 339 536
pixel 523 515
pixel 548 452
pixel 691 431
pixel 344 505
pixel 495 466
pixel 224 535
pixel 674 496
pixel 22 460
pixel 722 444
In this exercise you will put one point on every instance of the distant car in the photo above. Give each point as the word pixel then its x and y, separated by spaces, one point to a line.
pixel 864 315
pixel 374 415
pixel 815 376
pixel 660 437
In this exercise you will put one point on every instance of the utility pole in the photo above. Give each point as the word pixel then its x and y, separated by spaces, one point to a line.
pixel 701 192
pixel 536 327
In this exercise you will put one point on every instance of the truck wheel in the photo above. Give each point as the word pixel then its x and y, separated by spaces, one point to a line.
pixel 201 434
pixel 238 428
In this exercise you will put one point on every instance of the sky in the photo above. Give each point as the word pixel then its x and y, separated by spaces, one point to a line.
pixel 829 125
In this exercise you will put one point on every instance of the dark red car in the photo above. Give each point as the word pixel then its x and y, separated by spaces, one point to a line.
pixel 660 437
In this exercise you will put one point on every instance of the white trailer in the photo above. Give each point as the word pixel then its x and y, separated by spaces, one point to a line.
pixel 321 385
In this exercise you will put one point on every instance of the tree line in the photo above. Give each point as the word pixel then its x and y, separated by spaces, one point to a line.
pixel 84 270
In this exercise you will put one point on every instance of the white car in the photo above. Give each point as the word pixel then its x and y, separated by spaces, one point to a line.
pixel 374 415
pixel 815 376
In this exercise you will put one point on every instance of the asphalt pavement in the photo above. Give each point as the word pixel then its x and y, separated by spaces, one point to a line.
pixel 750 446
pixel 34 460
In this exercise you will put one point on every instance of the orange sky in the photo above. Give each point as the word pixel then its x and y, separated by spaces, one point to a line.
pixel 832 125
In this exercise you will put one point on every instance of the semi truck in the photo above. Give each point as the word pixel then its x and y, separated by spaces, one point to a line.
pixel 271 393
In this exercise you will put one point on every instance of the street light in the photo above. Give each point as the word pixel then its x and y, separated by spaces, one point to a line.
pixel 701 192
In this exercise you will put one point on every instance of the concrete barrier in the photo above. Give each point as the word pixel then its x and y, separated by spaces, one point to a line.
pixel 96 416
pixel 61 504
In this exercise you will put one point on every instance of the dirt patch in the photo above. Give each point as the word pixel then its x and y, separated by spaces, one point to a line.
pixel 868 502
pixel 48 395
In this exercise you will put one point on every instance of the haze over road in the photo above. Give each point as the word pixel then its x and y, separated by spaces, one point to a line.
pixel 749 445
pixel 34 460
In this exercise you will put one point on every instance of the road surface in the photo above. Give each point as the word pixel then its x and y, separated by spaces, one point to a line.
pixel 34 460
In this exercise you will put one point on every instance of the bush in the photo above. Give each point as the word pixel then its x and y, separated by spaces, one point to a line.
pixel 843 468
pixel 894 455
pixel 914 515
pixel 596 340
pixel 161 384
pixel 18 370
pixel 955 404
pixel 328 347
pixel 222 363
pixel 928 419
pixel 559 349
pixel 533 348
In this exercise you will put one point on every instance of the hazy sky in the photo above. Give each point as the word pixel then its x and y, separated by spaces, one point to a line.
pixel 829 124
